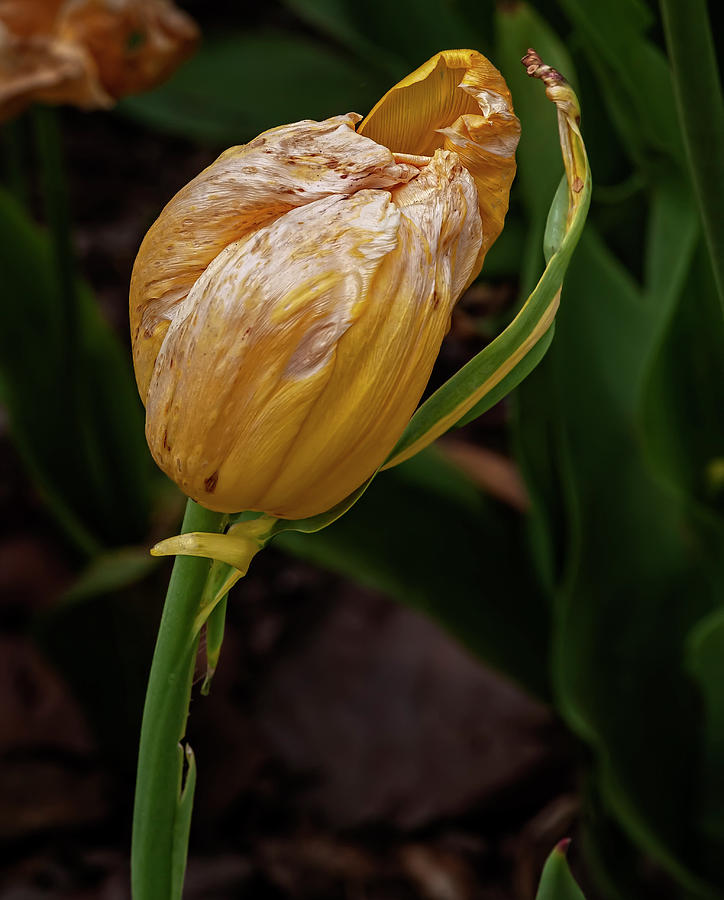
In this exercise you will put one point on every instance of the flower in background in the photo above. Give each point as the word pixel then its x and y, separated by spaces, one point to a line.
pixel 87 53
pixel 289 303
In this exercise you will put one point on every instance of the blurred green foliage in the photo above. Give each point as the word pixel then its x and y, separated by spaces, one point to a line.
pixel 607 598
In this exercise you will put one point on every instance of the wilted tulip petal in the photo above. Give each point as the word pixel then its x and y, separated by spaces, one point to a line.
pixel 288 305
pixel 456 101
pixel 134 44
pixel 44 70
pixel 87 53
pixel 245 188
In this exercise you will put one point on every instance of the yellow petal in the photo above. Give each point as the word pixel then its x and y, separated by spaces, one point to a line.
pixel 456 101
pixel 298 357
pixel 246 188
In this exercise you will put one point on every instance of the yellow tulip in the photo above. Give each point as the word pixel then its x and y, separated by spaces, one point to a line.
pixel 288 304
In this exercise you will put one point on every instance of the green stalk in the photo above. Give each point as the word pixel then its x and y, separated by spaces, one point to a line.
pixel 57 212
pixel 701 113
pixel 56 200
pixel 161 814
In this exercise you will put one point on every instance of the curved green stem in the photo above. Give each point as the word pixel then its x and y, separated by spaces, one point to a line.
pixel 160 811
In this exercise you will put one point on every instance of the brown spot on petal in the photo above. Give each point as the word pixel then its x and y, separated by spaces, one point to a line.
pixel 210 482
pixel 577 185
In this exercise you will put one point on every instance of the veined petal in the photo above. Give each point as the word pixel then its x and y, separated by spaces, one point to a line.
pixel 251 348
pixel 456 101
pixel 286 377
pixel 246 188
pixel 383 362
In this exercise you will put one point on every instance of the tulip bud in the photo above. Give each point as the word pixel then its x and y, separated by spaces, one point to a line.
pixel 288 305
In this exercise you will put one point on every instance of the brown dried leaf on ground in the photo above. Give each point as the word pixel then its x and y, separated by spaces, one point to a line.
pixel 47 777
pixel 390 720
pixel 492 472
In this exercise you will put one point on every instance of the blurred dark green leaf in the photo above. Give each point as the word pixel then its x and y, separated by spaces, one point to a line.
pixel 705 661
pixel 84 448
pixel 700 104
pixel 109 572
pixel 402 37
pixel 238 85
pixel 633 75
pixel 539 154
pixel 683 396
pixel 631 562
pixel 638 564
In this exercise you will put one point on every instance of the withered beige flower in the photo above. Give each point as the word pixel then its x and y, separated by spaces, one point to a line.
pixel 87 53
pixel 289 303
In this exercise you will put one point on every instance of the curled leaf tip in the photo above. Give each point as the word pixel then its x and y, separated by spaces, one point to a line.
pixel 562 846
pixel 536 68
pixel 557 88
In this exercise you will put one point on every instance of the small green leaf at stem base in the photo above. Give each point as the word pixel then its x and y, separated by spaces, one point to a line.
pixel 556 882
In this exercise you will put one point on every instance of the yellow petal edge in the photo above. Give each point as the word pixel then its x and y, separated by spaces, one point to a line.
pixel 455 101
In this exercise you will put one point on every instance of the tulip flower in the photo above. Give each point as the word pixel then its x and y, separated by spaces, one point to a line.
pixel 289 303
pixel 87 53
pixel 286 310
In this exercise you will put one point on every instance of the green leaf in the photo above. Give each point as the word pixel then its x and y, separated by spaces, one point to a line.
pixel 556 882
pixel 518 27
pixel 705 661
pixel 109 572
pixel 473 384
pixel 640 570
pixel 337 19
pixel 238 85
pixel 683 395
pixel 182 824
pixel 84 449
pixel 402 39
pixel 700 104
pixel 633 75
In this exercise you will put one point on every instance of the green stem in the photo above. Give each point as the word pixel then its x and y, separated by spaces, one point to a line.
pixel 161 757
pixel 701 112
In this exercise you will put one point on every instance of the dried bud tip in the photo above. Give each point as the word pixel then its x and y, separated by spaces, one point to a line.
pixel 536 68
pixel 558 90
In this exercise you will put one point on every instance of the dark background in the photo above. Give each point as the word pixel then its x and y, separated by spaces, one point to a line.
pixel 354 746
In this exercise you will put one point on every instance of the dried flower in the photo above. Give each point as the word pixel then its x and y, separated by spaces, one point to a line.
pixel 289 303
pixel 87 52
